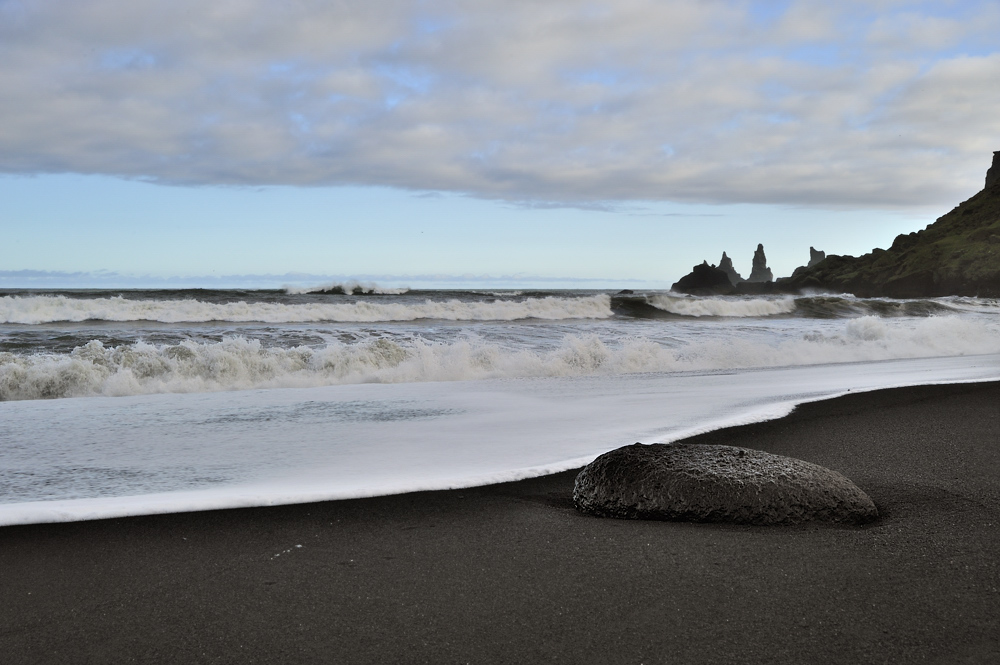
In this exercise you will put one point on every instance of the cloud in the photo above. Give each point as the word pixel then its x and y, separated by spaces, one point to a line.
pixel 556 103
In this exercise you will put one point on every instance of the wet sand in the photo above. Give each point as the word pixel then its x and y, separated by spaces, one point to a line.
pixel 513 574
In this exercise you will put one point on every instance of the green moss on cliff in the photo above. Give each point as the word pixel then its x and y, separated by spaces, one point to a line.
pixel 959 254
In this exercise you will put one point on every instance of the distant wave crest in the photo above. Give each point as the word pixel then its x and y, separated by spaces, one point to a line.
pixel 238 364
pixel 348 288
pixel 33 310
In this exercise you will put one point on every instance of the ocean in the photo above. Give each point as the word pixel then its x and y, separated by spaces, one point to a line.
pixel 126 402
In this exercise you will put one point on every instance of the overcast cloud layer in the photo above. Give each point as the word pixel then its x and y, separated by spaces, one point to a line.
pixel 851 103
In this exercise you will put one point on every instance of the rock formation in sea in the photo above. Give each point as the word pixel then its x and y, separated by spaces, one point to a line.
pixel 815 256
pixel 760 271
pixel 726 265
pixel 993 174
pixel 704 280
pixel 708 483
pixel 959 254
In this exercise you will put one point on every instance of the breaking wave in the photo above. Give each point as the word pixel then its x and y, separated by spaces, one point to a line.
pixel 239 364
pixel 32 310
pixel 723 307
pixel 813 307
pixel 348 288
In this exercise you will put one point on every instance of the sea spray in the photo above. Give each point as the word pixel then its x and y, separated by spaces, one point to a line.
pixel 741 308
pixel 34 310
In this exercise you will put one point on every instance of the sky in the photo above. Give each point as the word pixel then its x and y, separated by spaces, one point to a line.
pixel 574 144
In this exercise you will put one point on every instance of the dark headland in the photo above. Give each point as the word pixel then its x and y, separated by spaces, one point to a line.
pixel 957 255
pixel 512 573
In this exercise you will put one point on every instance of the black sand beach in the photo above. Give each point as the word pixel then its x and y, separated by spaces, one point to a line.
pixel 513 574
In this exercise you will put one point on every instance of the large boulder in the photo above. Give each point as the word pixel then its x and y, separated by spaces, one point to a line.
pixel 702 483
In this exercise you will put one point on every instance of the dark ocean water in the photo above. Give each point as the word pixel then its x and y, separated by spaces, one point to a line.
pixel 66 343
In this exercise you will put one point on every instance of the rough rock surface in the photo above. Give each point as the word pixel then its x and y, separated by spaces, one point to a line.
pixel 726 266
pixel 704 280
pixel 993 174
pixel 760 271
pixel 815 256
pixel 704 483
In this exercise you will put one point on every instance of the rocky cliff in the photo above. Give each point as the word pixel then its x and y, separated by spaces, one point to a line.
pixel 704 280
pixel 959 254
pixel 815 256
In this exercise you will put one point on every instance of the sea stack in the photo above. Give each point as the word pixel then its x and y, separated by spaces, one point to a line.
pixel 815 256
pixel 704 280
pixel 993 174
pixel 760 271
pixel 726 266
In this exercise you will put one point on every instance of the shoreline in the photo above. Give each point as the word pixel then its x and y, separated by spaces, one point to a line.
pixel 513 573
pixel 262 494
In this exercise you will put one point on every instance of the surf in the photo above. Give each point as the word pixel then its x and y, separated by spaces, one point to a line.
pixel 39 309
pixel 239 363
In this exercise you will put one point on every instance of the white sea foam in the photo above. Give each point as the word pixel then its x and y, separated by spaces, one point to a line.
pixel 239 364
pixel 95 458
pixel 968 304
pixel 723 306
pixel 31 310
pixel 366 288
